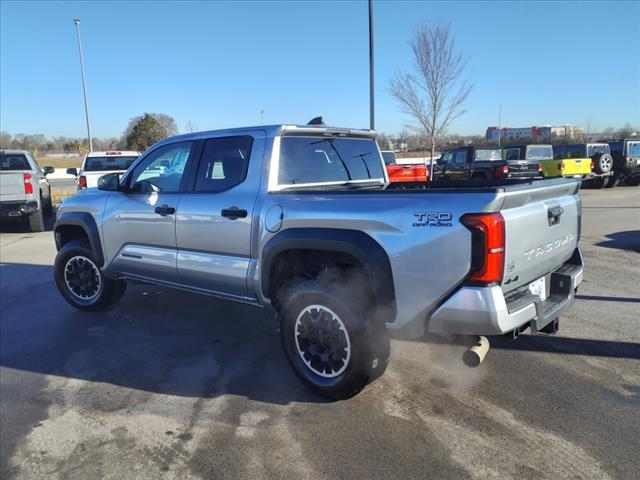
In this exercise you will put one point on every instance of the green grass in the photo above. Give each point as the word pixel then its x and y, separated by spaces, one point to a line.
pixel 62 162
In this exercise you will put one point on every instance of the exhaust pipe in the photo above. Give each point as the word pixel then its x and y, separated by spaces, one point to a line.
pixel 475 355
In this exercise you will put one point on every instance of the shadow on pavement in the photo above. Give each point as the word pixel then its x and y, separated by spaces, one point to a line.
pixel 629 240
pixel 608 299
pixel 156 339
pixel 548 344
pixel 22 226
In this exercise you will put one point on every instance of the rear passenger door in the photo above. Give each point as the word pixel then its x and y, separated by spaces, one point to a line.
pixel 214 219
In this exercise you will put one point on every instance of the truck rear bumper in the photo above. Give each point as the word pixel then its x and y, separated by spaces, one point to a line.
pixel 486 310
pixel 17 209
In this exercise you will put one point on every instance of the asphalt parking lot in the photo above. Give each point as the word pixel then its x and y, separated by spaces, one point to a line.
pixel 174 385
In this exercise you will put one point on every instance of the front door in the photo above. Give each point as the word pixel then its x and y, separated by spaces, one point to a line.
pixel 139 225
pixel 214 220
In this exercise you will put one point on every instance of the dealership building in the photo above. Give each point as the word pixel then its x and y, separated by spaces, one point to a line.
pixel 536 131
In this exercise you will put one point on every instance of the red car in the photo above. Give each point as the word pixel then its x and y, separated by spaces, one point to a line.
pixel 407 172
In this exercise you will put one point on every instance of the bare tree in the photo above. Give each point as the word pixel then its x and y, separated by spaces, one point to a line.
pixel 434 94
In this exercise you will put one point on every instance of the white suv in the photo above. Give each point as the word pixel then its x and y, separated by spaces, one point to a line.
pixel 97 164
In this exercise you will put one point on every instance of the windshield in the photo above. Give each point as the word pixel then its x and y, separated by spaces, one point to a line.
pixel 105 164
pixel 313 160
pixel 13 161
pixel 540 153
pixel 488 155
pixel 633 149
pixel 593 149
pixel 389 158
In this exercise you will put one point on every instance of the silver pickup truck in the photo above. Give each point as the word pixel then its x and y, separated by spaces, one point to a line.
pixel 302 220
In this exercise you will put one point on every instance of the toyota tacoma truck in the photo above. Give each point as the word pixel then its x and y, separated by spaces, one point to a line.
pixel 302 220
pixel 96 164
pixel 25 193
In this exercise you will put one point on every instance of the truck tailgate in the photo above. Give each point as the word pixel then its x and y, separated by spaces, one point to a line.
pixel 12 186
pixel 542 228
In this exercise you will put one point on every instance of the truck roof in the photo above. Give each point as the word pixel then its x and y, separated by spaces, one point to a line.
pixel 276 130
pixel 12 152
pixel 125 153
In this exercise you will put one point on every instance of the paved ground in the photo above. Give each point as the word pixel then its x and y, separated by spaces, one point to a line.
pixel 175 385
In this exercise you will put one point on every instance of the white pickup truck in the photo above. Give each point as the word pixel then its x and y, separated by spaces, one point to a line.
pixel 25 193
pixel 97 164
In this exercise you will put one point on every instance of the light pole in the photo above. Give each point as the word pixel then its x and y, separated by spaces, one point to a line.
pixel 76 21
pixel 371 106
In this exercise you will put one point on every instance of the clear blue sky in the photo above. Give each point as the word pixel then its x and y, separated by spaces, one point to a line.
pixel 217 64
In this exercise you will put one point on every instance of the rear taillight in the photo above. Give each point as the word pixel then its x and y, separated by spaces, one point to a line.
pixel 592 165
pixel 561 166
pixel 540 167
pixel 487 246
pixel 28 186
pixel 501 171
pixel 82 182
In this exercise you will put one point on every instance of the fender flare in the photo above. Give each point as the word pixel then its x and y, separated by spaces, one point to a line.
pixel 353 242
pixel 85 221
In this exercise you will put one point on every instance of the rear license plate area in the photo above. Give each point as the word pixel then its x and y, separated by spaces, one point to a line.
pixel 539 287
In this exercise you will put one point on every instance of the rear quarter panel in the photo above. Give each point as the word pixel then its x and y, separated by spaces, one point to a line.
pixel 427 261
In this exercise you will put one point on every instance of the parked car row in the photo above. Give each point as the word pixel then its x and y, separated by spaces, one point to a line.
pixel 602 164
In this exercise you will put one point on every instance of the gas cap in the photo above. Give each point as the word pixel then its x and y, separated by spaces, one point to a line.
pixel 273 218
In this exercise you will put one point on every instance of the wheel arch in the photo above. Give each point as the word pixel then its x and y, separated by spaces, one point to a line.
pixel 335 244
pixel 75 225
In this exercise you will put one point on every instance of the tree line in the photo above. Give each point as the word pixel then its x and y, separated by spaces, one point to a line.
pixel 141 132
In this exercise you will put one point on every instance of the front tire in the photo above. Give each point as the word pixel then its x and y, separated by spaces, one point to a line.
pixel 633 181
pixel 332 342
pixel 80 280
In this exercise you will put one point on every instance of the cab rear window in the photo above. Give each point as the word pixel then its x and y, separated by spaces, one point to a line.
pixel 9 162
pixel 317 160
pixel 539 153
pixel 105 164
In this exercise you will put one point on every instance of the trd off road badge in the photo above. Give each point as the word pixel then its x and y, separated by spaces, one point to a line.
pixel 432 219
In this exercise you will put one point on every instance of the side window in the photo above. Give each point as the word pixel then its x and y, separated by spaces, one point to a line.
pixel 162 171
pixel 460 157
pixel 223 164
pixel 558 152
pixel 513 154
pixel 446 157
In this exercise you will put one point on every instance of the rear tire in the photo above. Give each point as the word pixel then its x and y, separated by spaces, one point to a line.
pixel 599 182
pixel 333 343
pixel 614 180
pixel 36 220
pixel 80 280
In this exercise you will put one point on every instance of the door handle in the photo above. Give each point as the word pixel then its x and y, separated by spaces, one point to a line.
pixel 165 210
pixel 234 213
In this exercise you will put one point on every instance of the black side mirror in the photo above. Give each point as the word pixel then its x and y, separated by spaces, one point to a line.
pixel 72 171
pixel 109 182
pixel 48 170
